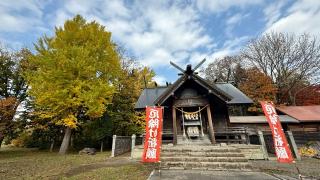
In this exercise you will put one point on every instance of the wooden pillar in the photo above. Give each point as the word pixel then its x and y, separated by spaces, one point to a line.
pixel 174 125
pixel 211 132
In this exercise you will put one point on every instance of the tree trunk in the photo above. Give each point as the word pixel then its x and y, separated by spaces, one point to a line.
pixel 52 145
pixel 1 139
pixel 290 97
pixel 71 141
pixel 65 142
pixel 101 147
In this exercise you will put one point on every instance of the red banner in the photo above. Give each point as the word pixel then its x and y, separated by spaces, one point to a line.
pixel 152 144
pixel 280 142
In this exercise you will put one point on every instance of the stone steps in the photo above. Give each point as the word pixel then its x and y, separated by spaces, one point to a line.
pixel 203 159
pixel 187 149
pixel 202 154
pixel 205 165
pixel 197 141
pixel 253 152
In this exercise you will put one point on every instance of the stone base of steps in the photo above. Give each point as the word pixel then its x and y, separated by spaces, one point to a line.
pixel 252 152
pixel 206 165
pixel 238 150
pixel 203 159
pixel 199 140
pixel 202 154
pixel 198 148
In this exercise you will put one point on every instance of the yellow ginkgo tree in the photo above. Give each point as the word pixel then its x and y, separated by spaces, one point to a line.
pixel 73 74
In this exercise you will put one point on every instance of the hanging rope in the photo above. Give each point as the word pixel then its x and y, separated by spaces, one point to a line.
pixel 190 112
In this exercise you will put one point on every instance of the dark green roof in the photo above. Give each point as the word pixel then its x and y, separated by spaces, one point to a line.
pixel 238 97
pixel 150 95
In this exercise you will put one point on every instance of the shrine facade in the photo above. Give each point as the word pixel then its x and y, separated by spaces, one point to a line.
pixel 195 110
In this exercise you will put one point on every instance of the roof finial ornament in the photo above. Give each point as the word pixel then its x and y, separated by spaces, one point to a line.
pixel 189 69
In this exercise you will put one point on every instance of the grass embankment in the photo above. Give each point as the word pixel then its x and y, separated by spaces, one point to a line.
pixel 21 163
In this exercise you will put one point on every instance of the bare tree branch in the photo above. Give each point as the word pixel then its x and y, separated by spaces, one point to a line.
pixel 287 59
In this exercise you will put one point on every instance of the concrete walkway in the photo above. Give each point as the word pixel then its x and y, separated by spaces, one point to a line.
pixel 210 175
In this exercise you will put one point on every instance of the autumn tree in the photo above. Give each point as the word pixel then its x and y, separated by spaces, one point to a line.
pixel 73 74
pixel 226 69
pixel 125 120
pixel 12 87
pixel 287 59
pixel 258 87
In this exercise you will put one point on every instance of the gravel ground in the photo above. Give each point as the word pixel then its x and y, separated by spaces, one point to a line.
pixel 308 167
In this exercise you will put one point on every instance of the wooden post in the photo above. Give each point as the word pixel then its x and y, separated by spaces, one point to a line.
pixel 213 140
pixel 184 130
pixel 200 122
pixel 174 125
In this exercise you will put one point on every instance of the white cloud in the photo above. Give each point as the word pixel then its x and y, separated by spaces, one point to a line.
pixel 33 6
pixel 217 6
pixel 160 80
pixel 196 58
pixel 229 48
pixel 10 45
pixel 233 21
pixel 273 12
pixel 155 31
pixel 303 17
pixel 11 17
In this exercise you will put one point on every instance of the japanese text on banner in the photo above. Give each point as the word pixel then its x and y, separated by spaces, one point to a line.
pixel 153 135
pixel 281 145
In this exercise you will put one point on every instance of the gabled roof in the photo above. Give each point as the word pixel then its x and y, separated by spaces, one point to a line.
pixel 302 113
pixel 225 92
pixel 149 95
pixel 176 85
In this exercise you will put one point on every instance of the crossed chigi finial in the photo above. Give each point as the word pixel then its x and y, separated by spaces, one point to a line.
pixel 189 69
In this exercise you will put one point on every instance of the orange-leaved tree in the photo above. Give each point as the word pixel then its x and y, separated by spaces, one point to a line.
pixel 258 87
pixel 12 87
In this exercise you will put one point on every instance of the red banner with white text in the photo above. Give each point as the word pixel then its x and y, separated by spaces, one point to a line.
pixel 282 148
pixel 153 137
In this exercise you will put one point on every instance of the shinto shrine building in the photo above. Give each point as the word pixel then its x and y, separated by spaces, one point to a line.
pixel 199 112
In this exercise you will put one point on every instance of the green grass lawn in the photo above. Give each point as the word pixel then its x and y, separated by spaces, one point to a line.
pixel 22 163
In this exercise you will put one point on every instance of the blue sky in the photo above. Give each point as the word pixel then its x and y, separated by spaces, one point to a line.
pixel 156 32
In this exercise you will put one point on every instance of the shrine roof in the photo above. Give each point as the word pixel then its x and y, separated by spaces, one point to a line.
pixel 302 113
pixel 212 88
pixel 260 119
pixel 149 95
pixel 238 97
